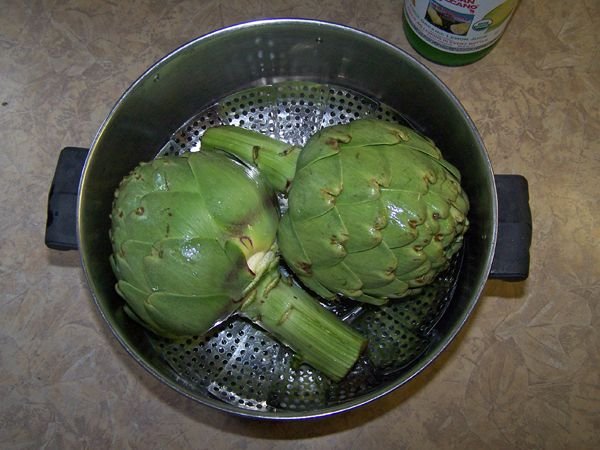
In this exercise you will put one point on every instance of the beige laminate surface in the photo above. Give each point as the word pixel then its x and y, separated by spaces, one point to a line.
pixel 524 373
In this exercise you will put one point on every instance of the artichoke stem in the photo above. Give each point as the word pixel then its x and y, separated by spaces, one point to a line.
pixel 317 336
pixel 275 160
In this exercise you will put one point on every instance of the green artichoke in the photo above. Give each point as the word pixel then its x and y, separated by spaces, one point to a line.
pixel 194 241
pixel 374 211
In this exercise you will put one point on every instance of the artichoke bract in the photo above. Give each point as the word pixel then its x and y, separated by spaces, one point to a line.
pixel 194 241
pixel 374 211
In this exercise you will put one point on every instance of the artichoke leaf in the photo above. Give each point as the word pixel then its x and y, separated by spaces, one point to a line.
pixel 347 282
pixel 289 244
pixel 374 133
pixel 186 315
pixel 376 266
pixel 161 215
pixel 255 235
pixel 298 260
pixel 409 260
pixel 164 175
pixel 195 265
pixel 438 206
pixel 321 145
pixel 365 173
pixel 128 262
pixel 461 202
pixel 316 287
pixel 170 175
pixel 136 302
pixel 324 238
pixel 435 254
pixel 238 195
pixel 394 289
pixel 418 143
pixel 320 189
pixel 396 137
pixel 421 275
pixel 398 233
pixel 376 300
pixel 413 171
pixel 405 207
pixel 447 231
pixel 363 222
pixel 448 188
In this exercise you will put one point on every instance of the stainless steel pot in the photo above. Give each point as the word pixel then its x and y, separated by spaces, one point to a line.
pixel 288 78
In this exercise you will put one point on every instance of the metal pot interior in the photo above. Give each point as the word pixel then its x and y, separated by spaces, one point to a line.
pixel 264 53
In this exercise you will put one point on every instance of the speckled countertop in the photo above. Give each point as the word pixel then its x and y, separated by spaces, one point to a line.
pixel 524 373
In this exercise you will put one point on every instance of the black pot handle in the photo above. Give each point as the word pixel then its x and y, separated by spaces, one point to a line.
pixel 511 259
pixel 61 225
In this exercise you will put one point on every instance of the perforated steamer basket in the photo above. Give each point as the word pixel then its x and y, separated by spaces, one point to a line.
pixel 287 79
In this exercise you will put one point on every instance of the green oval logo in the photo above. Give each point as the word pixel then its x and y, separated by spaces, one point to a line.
pixel 482 25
